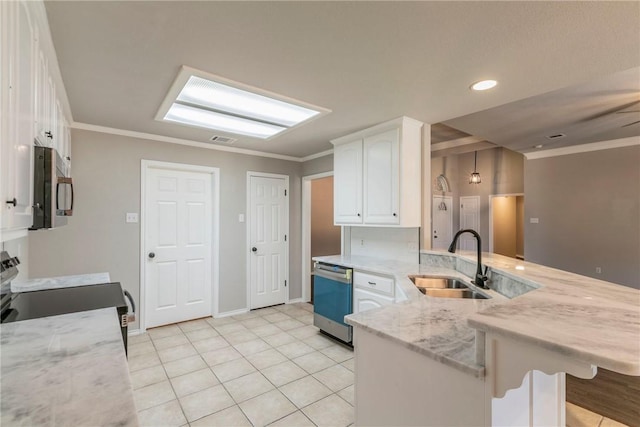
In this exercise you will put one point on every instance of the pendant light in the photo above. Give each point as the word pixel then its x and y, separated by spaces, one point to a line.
pixel 475 176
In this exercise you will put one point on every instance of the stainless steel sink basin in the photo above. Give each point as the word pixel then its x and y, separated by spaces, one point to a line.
pixel 438 282
pixel 445 287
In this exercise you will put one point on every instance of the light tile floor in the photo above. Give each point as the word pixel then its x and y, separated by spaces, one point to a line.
pixel 266 367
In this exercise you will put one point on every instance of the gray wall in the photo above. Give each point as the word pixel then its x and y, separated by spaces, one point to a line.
pixel 501 171
pixel 588 205
pixel 106 173
pixel 319 165
pixel 325 237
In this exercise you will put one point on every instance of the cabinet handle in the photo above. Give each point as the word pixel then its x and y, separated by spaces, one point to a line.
pixel 68 158
pixel 358 214
pixel 372 283
pixel 395 214
pixel 48 134
pixel 13 202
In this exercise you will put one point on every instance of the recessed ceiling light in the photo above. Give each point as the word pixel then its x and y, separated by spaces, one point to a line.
pixel 204 100
pixel 484 85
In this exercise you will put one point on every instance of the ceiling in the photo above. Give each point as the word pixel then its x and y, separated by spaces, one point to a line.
pixel 366 61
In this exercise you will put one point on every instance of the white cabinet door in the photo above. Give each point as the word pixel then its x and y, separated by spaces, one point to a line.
pixel 42 98
pixel 18 96
pixel 381 178
pixel 364 300
pixel 348 183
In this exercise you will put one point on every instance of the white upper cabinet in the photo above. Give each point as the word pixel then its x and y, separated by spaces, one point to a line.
pixel 382 178
pixel 377 174
pixel 31 110
pixel 17 93
pixel 347 183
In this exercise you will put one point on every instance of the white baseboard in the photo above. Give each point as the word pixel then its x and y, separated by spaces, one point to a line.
pixel 293 301
pixel 232 313
pixel 132 332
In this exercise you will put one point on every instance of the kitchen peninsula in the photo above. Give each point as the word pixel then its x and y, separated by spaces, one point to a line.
pixel 497 361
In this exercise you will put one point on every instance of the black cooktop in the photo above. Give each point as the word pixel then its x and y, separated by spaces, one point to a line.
pixel 53 302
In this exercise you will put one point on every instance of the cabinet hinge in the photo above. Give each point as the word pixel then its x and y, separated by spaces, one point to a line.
pixel 285 237
pixel 285 192
pixel 285 283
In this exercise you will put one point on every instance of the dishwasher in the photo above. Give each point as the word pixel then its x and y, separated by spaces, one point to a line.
pixel 332 300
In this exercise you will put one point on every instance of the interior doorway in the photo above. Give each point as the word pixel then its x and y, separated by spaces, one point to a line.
pixel 267 230
pixel 441 222
pixel 319 234
pixel 179 242
pixel 469 218
pixel 506 225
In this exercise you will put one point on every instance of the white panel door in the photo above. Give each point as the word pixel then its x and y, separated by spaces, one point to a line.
pixel 178 244
pixel 347 183
pixel 381 178
pixel 269 226
pixel 442 222
pixel 469 218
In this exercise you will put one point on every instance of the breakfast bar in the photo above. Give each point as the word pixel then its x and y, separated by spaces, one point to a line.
pixel 504 357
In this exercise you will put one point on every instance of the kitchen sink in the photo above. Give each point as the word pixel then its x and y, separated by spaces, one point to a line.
pixel 445 287
pixel 438 282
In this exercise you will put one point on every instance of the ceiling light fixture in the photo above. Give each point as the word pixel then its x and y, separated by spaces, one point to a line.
pixel 204 100
pixel 484 85
pixel 475 176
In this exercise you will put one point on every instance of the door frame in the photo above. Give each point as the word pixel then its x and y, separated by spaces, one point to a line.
pixel 491 196
pixel 251 174
pixel 433 204
pixel 306 232
pixel 145 165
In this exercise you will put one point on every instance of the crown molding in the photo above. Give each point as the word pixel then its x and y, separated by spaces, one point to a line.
pixel 190 143
pixel 584 148
pixel 317 155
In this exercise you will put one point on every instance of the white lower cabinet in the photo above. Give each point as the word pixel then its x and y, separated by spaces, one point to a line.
pixel 371 291
pixel 364 300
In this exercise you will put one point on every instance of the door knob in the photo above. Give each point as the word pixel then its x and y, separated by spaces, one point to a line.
pixel 254 249
pixel 152 255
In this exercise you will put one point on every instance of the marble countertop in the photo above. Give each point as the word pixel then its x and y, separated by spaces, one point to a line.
pixel 68 370
pixel 434 327
pixel 592 320
pixel 588 319
pixel 59 282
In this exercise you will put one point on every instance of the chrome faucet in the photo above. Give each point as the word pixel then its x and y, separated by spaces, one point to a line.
pixel 481 279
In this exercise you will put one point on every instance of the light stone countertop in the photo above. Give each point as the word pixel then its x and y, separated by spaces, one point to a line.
pixel 59 282
pixel 434 327
pixel 588 319
pixel 67 370
pixel 594 321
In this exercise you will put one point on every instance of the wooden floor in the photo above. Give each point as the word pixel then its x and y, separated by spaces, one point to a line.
pixel 610 394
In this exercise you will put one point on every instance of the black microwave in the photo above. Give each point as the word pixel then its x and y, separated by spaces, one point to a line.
pixel 52 190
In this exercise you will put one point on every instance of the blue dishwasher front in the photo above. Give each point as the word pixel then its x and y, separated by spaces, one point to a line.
pixel 332 300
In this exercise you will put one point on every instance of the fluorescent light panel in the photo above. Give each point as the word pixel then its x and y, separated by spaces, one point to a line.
pixel 220 104
pixel 211 120
pixel 221 97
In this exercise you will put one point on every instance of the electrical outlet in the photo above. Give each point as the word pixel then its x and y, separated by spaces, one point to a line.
pixel 534 220
pixel 132 217
pixel 598 270
pixel 240 217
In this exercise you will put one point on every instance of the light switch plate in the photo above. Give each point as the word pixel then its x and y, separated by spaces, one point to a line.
pixel 132 217
pixel 534 220
pixel 240 217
